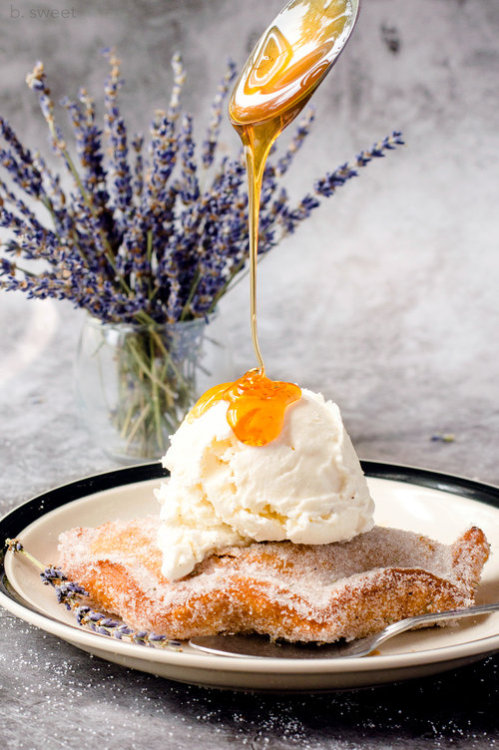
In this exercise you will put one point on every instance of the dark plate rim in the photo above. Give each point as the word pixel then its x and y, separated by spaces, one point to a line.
pixel 15 520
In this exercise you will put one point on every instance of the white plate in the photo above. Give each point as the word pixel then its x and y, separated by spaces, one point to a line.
pixel 434 504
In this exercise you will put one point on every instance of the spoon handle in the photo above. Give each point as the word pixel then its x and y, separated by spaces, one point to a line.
pixel 451 614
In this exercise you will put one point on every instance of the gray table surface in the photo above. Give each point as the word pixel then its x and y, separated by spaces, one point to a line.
pixel 386 301
pixel 52 695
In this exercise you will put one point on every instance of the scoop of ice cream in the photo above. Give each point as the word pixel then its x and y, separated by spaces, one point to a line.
pixel 306 486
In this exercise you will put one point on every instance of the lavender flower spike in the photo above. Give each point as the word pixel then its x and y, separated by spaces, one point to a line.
pixel 28 175
pixel 137 145
pixel 178 83
pixel 19 161
pixel 188 184
pixel 163 156
pixel 210 144
pixel 116 132
pixel 89 104
pixel 377 150
pixel 89 149
pixel 36 80
pixel 302 131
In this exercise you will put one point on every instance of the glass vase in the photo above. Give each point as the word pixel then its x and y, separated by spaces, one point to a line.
pixel 135 383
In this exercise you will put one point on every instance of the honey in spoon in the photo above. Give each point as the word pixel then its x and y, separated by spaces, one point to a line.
pixel 286 66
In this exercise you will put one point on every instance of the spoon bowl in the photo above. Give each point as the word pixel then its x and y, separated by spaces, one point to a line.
pixel 291 58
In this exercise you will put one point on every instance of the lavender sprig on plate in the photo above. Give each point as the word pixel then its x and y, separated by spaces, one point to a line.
pixel 74 598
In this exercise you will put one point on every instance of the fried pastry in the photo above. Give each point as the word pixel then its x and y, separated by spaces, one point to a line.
pixel 296 592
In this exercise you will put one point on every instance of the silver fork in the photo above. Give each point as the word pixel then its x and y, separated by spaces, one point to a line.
pixel 261 647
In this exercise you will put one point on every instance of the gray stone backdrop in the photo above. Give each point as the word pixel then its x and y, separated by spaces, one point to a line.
pixel 386 300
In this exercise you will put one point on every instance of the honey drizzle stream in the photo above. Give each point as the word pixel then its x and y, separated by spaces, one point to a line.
pixel 280 76
pixel 256 150
pixel 255 178
pixel 257 404
pixel 257 139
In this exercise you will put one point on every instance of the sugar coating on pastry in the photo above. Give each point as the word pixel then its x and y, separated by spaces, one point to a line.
pixel 296 592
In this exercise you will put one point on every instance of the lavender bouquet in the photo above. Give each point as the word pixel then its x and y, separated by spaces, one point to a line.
pixel 145 238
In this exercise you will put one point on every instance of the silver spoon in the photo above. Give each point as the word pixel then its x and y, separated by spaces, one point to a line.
pixel 259 646
pixel 289 61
